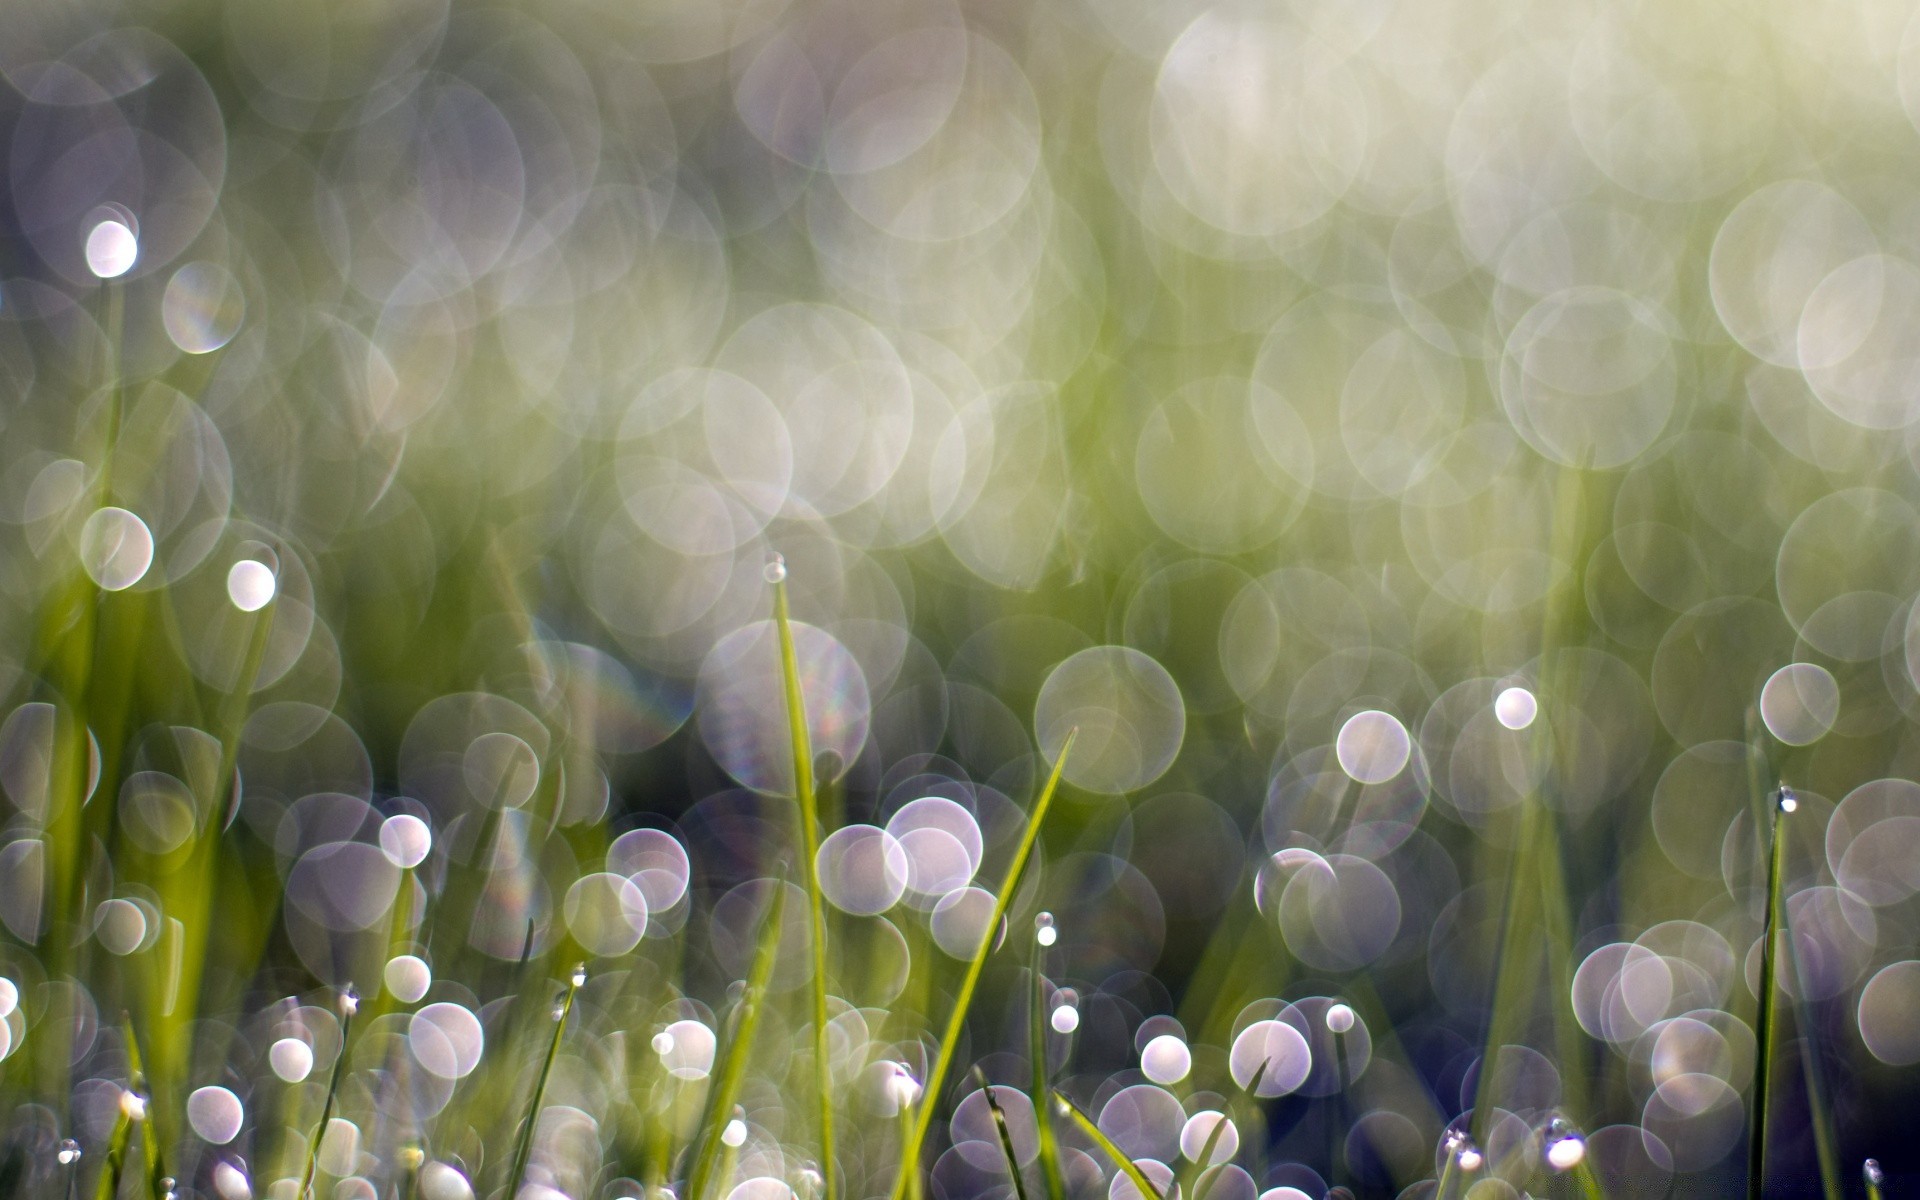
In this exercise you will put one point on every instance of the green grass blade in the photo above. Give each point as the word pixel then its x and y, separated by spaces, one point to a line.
pixel 1086 1125
pixel 1006 1136
pixel 734 1071
pixel 810 845
pixel 930 1096
pixel 1767 1019
pixel 349 1005
pixel 1056 1183
pixel 525 1148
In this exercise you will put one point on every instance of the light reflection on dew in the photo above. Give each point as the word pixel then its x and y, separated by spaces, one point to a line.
pixel 112 247
pixel 291 1058
pixel 405 839
pixel 1515 707
pixel 1166 1059
pixel 250 585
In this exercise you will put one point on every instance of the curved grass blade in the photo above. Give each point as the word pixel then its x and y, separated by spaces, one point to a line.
pixel 734 1072
pixel 525 1148
pixel 1006 1137
pixel 930 1095
pixel 810 846
pixel 1119 1157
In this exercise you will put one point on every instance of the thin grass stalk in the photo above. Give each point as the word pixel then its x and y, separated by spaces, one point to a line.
pixel 1187 1182
pixel 525 1148
pixel 1085 1123
pixel 108 1186
pixel 734 1072
pixel 810 845
pixel 1767 1019
pixel 349 1004
pixel 1006 1135
pixel 936 1076
pixel 1050 1172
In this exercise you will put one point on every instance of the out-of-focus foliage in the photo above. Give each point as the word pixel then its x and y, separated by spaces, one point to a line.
pixel 1450 462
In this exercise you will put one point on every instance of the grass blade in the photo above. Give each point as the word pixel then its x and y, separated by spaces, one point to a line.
pixel 810 846
pixel 930 1096
pixel 1188 1181
pixel 525 1147
pixel 1767 1019
pixel 1037 1050
pixel 734 1072
pixel 1006 1136
pixel 1119 1157
pixel 349 1004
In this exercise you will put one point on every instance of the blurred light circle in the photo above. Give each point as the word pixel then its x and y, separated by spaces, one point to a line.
pixel 1128 711
pixel 1799 703
pixel 1772 252
pixel 1855 342
pixel 120 925
pixel 405 839
pixel 763 1187
pixel 446 1040
pixel 1159 1174
pixel 689 1054
pixel 960 921
pixel 1166 1059
pixel 9 996
pixel 606 913
pixel 1144 1121
pixel 291 1059
pixel 1373 746
pixel 656 862
pixel 250 585
pixel 1278 1048
pixel 1065 1019
pixel 1887 1007
pixel 1515 708
pixel 1589 378
pixel 203 307
pixel 501 769
pixel 116 548
pixel 863 870
pixel 112 248
pixel 742 709
pixel 407 977
pixel 216 1114
pixel 438 1181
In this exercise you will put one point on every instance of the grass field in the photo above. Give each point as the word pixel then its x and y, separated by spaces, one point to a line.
pixel 813 601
